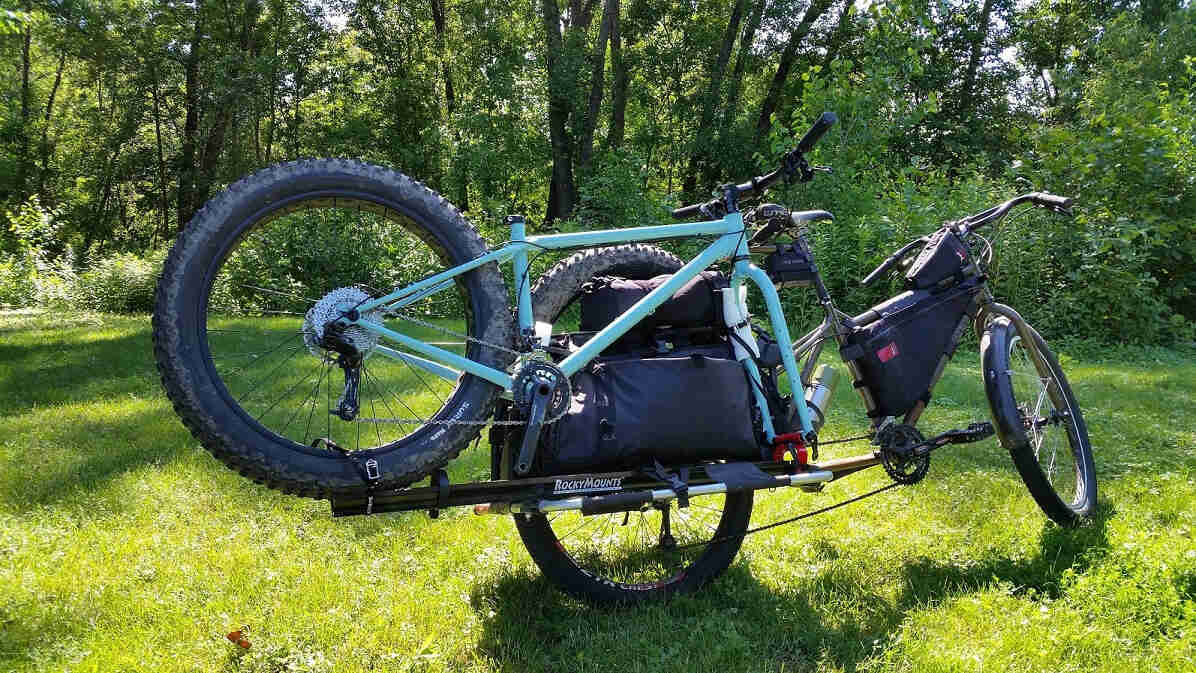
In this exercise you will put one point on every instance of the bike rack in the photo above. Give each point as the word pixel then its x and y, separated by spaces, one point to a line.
pixel 617 490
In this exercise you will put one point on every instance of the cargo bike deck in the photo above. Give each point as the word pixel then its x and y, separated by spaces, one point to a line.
pixel 629 490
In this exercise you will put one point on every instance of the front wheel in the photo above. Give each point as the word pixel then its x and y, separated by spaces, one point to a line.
pixel 1039 422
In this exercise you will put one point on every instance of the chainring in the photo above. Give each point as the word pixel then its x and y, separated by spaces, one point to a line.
pixel 898 444
pixel 540 373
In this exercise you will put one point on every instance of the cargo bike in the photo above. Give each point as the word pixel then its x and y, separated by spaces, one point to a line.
pixel 337 330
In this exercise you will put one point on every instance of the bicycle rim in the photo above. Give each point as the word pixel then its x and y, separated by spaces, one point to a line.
pixel 636 550
pixel 1048 420
pixel 278 282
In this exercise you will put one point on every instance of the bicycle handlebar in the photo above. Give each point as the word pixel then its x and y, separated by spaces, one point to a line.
pixel 792 160
pixel 820 127
pixel 892 259
pixel 1058 204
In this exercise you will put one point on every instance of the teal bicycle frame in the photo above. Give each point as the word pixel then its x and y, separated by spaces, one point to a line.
pixel 731 242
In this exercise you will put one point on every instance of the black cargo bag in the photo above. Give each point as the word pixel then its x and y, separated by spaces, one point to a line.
pixel 897 345
pixel 689 405
pixel 942 262
pixel 790 265
pixel 697 304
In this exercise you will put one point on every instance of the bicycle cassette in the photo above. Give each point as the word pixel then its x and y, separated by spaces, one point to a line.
pixel 903 453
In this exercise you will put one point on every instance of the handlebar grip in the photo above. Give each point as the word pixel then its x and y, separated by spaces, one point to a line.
pixel 1052 201
pixel 686 212
pixel 816 132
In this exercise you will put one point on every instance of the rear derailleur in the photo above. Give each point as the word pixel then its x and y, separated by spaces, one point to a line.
pixel 349 359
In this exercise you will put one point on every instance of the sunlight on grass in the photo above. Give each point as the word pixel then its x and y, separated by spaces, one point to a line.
pixel 124 546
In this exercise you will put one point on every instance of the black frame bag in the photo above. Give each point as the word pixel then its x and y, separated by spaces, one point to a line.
pixel 898 345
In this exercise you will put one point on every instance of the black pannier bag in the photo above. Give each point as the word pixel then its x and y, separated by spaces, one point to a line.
pixel 697 304
pixel 688 405
pixel 942 262
pixel 898 345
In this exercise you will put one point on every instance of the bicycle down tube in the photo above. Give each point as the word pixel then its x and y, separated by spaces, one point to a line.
pixel 731 241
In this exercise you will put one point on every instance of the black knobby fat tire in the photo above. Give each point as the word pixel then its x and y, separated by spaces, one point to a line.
pixel 551 296
pixel 200 399
pixel 995 346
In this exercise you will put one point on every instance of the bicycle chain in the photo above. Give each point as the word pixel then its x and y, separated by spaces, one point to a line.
pixel 450 421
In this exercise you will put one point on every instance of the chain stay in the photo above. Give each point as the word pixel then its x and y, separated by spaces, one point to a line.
pixel 450 421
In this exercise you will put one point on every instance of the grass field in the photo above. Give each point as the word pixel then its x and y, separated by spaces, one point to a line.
pixel 126 547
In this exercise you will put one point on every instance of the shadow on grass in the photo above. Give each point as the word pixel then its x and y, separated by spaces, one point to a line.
pixel 831 618
pixel 46 640
pixel 85 457
pixel 71 371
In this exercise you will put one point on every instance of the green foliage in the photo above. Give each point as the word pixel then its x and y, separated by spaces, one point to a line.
pixel 122 283
pixel 121 127
pixel 18 281
pixel 614 195
pixel 1131 262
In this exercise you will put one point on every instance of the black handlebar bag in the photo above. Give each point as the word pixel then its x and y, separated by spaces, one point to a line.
pixel 941 263
pixel 688 405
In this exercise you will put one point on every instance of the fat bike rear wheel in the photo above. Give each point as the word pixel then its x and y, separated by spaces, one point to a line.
pixel 631 556
pixel 241 340
pixel 1039 421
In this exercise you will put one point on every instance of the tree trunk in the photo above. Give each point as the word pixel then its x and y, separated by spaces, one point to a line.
pixel 969 78
pixel 562 191
pixel 26 103
pixel 838 35
pixel 45 145
pixel 597 80
pixel 450 101
pixel 186 203
pixel 165 230
pixel 741 61
pixel 701 147
pixel 620 80
pixel 777 87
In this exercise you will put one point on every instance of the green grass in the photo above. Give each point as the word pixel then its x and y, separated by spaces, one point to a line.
pixel 125 547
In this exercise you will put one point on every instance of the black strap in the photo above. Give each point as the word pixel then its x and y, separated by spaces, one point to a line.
pixel 607 427
pixel 679 484
pixel 440 480
pixel 369 470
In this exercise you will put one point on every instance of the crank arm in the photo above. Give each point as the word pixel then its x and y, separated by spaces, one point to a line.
pixel 531 436
pixel 973 433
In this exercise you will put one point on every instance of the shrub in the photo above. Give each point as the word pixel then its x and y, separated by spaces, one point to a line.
pixel 17 281
pixel 123 283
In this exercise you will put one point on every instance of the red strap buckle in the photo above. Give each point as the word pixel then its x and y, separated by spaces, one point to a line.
pixel 789 443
